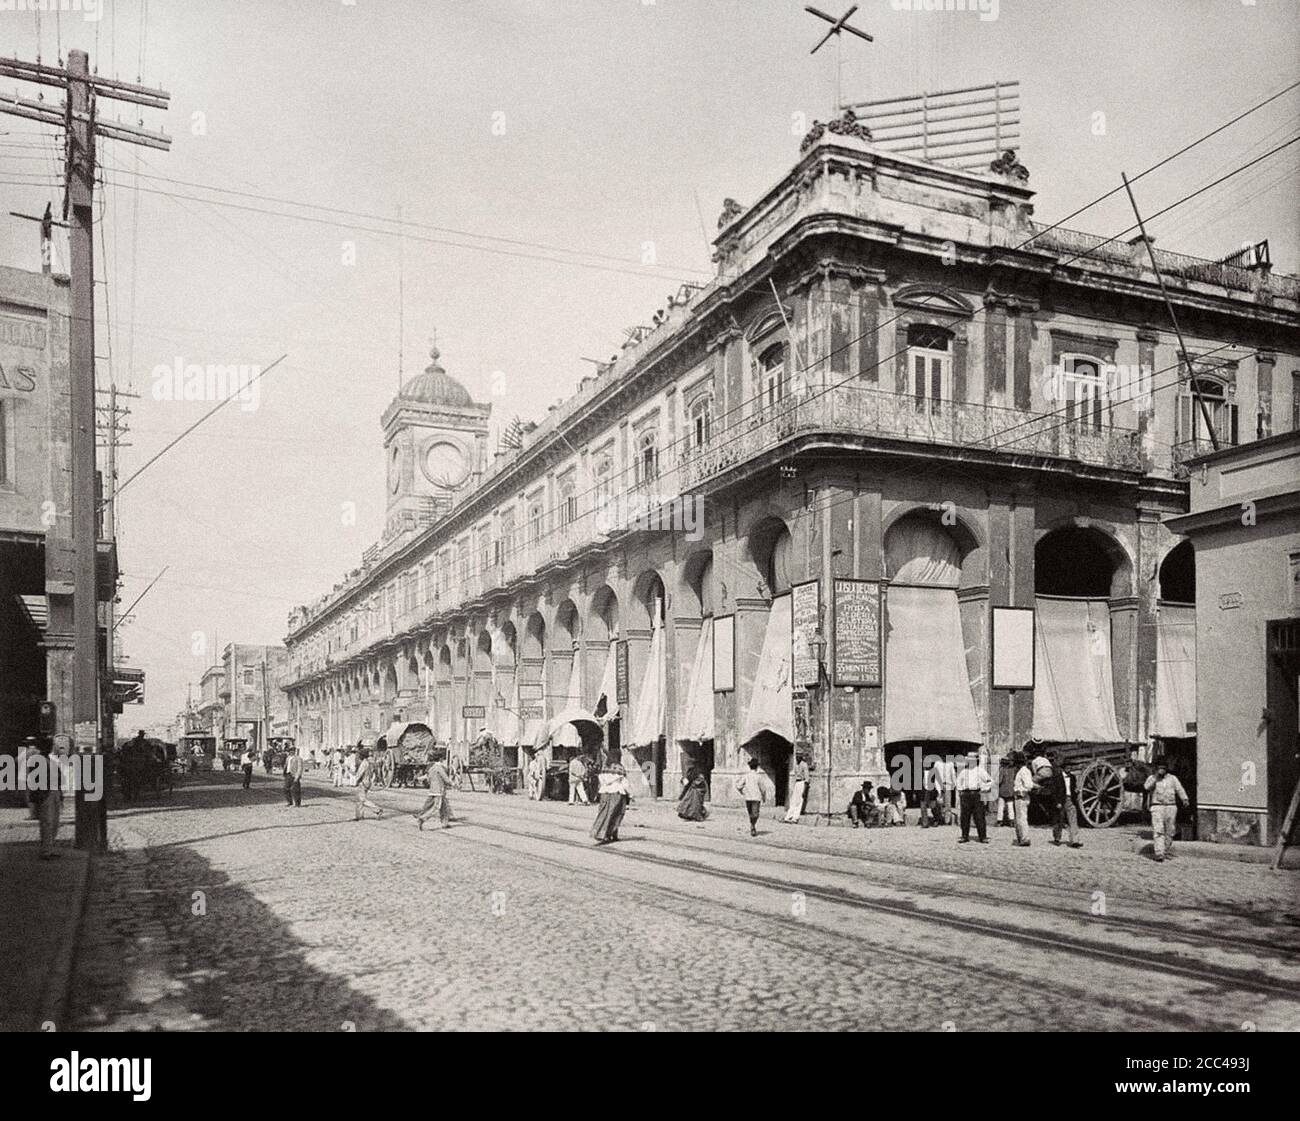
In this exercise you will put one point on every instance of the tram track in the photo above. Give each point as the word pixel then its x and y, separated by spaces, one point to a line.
pixel 1028 892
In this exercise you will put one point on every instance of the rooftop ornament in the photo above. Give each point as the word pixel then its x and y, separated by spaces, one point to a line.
pixel 1008 165
pixel 845 125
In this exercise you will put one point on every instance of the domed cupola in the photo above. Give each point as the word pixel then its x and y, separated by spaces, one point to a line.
pixel 435 444
pixel 435 387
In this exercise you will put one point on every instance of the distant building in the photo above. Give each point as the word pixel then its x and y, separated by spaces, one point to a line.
pixel 897 377
pixel 249 692
pixel 1244 524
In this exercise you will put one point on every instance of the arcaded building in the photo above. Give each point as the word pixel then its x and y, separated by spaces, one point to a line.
pixel 786 516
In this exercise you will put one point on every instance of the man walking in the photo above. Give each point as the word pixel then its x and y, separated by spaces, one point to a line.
pixel 798 787
pixel 972 784
pixel 1060 787
pixel 365 777
pixel 436 803
pixel 752 787
pixel 1022 787
pixel 948 781
pixel 1167 794
pixel 578 781
pixel 1006 789
pixel 246 765
pixel 47 798
pixel 292 778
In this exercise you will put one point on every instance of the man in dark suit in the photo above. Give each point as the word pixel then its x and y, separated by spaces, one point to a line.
pixel 1060 794
pixel 863 807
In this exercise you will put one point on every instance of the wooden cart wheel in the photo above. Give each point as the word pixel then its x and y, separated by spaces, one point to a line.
pixel 1101 794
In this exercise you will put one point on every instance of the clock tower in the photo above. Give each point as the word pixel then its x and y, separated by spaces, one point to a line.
pixel 435 447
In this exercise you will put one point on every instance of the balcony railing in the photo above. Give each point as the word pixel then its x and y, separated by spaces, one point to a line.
pixel 846 410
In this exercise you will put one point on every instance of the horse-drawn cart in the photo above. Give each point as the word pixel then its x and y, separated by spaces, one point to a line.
pixel 1107 780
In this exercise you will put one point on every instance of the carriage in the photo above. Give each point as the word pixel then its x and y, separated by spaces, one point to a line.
pixel 232 750
pixel 144 764
pixel 1107 780
pixel 279 747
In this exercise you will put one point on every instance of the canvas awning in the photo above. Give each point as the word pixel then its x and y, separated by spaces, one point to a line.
pixel 1074 693
pixel 695 719
pixel 504 722
pixel 927 688
pixel 585 728
pixel 606 706
pixel 771 701
pixel 567 736
pixel 1175 708
pixel 650 714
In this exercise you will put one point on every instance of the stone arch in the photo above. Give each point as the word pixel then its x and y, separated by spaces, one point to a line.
pixel 534 641
pixel 697 593
pixel 770 549
pixel 646 590
pixel 1081 560
pixel 568 625
pixel 602 614
pixel 483 652
pixel 914 531
pixel 507 649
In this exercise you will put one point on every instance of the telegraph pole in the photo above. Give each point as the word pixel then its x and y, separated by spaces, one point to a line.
pixel 78 119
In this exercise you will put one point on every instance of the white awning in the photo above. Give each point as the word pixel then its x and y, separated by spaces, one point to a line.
pixel 771 699
pixel 608 690
pixel 927 688
pixel 1175 709
pixel 695 719
pixel 1074 692
pixel 567 734
pixel 504 722
pixel 648 721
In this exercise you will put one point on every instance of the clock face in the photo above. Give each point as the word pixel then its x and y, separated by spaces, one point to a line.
pixel 444 464
pixel 395 469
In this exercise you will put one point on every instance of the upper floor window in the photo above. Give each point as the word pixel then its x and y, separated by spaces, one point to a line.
pixel 506 535
pixel 647 456
pixel 929 363
pixel 248 678
pixel 772 376
pixel 604 476
pixel 1085 397
pixel 536 520
pixel 1222 412
pixel 701 421
pixel 568 500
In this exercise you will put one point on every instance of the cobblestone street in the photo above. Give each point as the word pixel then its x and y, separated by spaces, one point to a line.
pixel 220 909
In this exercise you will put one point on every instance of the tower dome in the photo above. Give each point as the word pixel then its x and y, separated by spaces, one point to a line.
pixel 435 387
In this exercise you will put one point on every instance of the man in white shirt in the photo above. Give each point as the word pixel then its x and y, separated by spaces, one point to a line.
pixel 246 765
pixel 948 779
pixel 973 783
pixel 1167 794
pixel 292 778
pixel 752 785
pixel 1022 788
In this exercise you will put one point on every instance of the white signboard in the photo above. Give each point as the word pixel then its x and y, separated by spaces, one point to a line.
pixel 1013 648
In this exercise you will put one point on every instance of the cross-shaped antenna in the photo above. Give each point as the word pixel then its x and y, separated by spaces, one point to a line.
pixel 837 26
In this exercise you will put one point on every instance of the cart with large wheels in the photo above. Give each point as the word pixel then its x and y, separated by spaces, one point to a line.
pixel 1103 784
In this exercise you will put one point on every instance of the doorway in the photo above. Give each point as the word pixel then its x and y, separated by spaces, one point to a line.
pixel 1283 720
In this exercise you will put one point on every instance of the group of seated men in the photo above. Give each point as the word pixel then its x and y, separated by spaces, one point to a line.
pixel 876 805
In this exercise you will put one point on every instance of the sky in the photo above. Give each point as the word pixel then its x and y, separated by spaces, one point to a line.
pixel 558 165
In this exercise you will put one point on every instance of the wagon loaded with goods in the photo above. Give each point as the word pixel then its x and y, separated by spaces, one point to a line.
pixel 1107 780
pixel 412 754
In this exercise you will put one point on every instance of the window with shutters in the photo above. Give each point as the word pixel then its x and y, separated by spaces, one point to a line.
pixel 647 457
pixel 1085 401
pixel 929 366
pixel 1193 436
pixel 771 377
pixel 701 424
pixel 536 519
pixel 604 479
pixel 568 499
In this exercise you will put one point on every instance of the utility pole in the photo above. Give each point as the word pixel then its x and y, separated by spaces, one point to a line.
pixel 77 117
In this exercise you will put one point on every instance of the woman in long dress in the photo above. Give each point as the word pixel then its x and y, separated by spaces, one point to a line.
pixel 691 805
pixel 614 795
